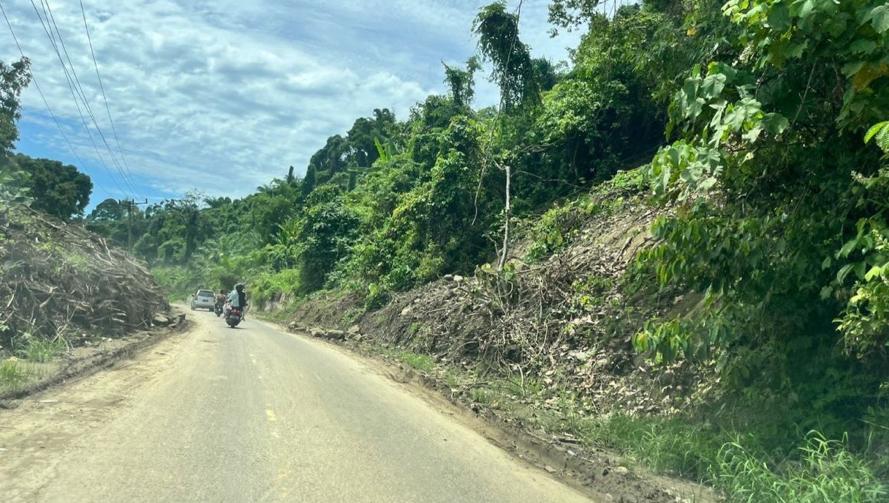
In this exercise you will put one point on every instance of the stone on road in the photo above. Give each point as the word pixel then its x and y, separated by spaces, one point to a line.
pixel 251 415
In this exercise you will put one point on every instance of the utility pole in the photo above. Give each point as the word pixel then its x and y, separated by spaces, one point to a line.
pixel 130 203
pixel 508 214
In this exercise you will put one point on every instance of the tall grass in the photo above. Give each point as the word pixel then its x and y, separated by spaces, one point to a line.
pixel 41 351
pixel 821 471
pixel 12 375
pixel 740 466
pixel 825 472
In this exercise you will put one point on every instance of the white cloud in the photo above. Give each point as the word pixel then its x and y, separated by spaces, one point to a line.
pixel 223 95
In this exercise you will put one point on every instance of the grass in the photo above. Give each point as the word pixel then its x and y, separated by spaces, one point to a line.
pixel 820 471
pixel 12 375
pixel 736 464
pixel 352 315
pixel 452 379
pixel 41 351
pixel 483 395
pixel 416 361
pixel 279 316
pixel 522 387
pixel 825 472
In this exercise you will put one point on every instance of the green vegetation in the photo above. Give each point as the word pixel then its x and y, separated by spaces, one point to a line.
pixel 761 130
pixel 55 188
pixel 739 464
pixel 13 79
pixel 482 395
pixel 394 204
pixel 15 374
pixel 419 362
pixel 11 375
pixel 40 351
pixel 47 185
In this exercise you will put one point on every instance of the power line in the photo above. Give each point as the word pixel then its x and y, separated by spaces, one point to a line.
pixel 71 87
pixel 52 21
pixel 46 103
pixel 77 91
pixel 102 87
pixel 73 95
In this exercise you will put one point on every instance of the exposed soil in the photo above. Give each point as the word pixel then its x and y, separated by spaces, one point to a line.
pixel 567 321
pixel 90 357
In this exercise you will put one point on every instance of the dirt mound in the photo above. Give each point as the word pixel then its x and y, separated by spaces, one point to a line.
pixel 59 281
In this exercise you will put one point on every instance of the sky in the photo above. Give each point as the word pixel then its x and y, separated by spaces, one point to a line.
pixel 223 96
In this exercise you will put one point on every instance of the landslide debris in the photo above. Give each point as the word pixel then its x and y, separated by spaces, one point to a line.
pixel 60 282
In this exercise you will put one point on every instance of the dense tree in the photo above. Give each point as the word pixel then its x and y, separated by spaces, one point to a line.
pixel 363 134
pixel 309 181
pixel 514 70
pixel 108 210
pixel 13 79
pixel 461 82
pixel 760 126
pixel 760 153
pixel 57 189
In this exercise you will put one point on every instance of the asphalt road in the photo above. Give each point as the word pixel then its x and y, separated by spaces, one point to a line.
pixel 251 415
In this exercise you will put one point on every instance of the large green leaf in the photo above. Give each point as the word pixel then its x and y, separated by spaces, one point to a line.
pixel 879 18
pixel 862 46
pixel 848 247
pixel 779 17
pixel 774 123
pixel 877 129
pixel 873 273
pixel 713 86
pixel 843 272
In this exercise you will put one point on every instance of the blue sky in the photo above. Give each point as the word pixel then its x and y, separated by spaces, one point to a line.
pixel 224 95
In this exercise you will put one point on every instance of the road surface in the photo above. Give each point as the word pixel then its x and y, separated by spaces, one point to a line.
pixel 251 415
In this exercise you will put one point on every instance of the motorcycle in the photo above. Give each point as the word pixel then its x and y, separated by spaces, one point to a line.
pixel 218 310
pixel 234 317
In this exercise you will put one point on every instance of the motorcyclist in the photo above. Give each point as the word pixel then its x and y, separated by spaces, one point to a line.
pixel 221 298
pixel 237 298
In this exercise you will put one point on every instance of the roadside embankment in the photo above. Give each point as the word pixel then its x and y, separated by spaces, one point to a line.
pixel 69 301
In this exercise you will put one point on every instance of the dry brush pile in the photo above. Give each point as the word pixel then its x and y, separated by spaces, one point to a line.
pixel 60 282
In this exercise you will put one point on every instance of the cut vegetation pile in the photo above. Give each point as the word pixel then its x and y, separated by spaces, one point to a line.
pixel 60 284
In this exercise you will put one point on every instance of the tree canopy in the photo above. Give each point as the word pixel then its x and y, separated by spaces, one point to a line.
pixel 57 189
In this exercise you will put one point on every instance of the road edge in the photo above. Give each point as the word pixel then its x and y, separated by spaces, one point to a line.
pixel 85 367
pixel 579 468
